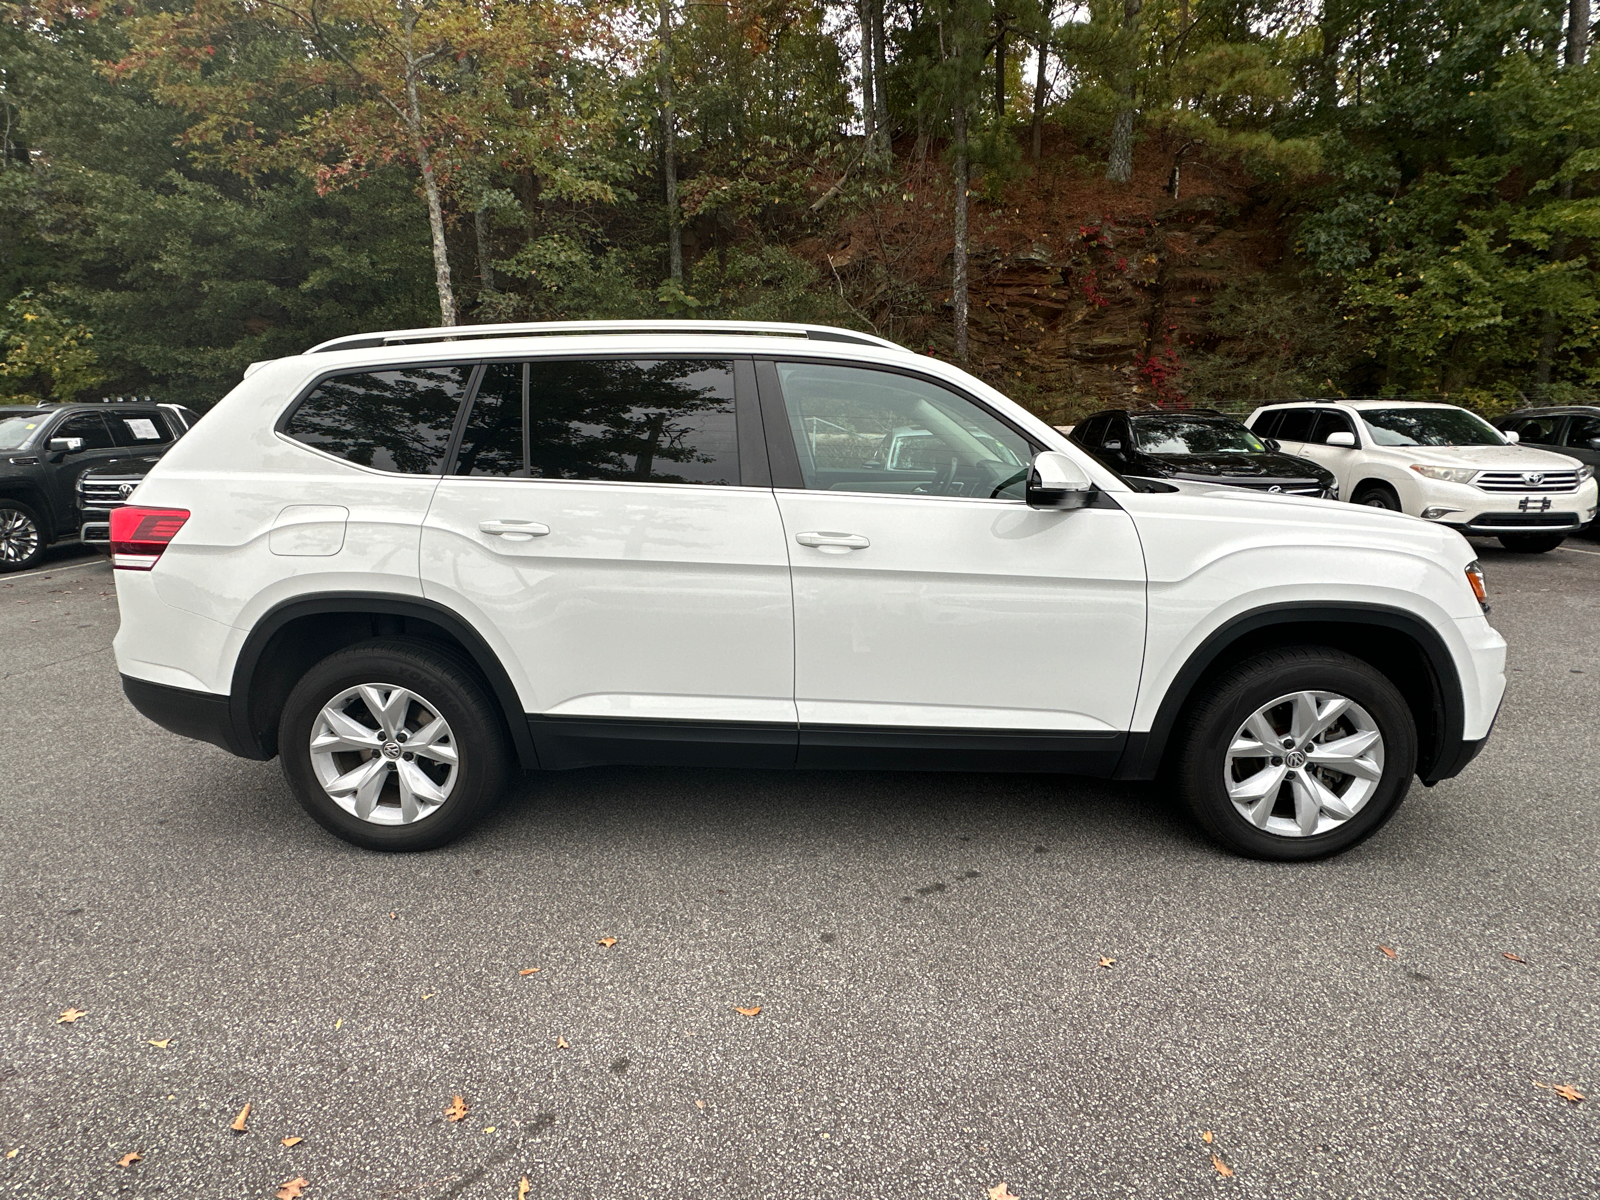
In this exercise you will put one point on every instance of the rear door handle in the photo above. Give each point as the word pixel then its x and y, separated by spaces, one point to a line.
pixel 833 541
pixel 516 531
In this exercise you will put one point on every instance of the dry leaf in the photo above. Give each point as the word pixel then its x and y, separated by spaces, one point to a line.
pixel 292 1189
pixel 529 971
pixel 749 1012
pixel 14 1153
pixel 561 1043
pixel 429 995
pixel 697 1104
pixel 1223 1168
pixel 1514 957
pixel 160 1044
pixel 607 942
pixel 392 917
pixel 238 1122
pixel 524 1188
pixel 1206 1137
pixel 1387 953
pixel 1565 1090
pixel 338 1025
pixel 291 1141
pixel 1001 1192
pixel 457 1110
pixel 488 1128
pixel 128 1159
pixel 1108 963
pixel 71 1015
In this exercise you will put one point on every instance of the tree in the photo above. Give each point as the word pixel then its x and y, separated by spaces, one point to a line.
pixel 1119 165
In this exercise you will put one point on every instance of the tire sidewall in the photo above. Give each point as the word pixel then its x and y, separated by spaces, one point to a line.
pixel 1205 761
pixel 436 678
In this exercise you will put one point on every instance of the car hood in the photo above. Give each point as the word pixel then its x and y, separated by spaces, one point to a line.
pixel 1237 466
pixel 1374 523
pixel 1489 458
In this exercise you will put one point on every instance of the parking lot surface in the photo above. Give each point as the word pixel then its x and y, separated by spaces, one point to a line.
pixel 963 980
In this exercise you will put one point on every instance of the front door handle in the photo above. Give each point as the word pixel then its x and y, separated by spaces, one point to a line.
pixel 833 542
pixel 516 531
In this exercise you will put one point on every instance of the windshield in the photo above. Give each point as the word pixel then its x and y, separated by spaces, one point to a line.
pixel 1192 435
pixel 1429 427
pixel 15 431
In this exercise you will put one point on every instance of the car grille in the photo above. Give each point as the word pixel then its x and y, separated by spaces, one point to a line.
pixel 1288 489
pixel 96 493
pixel 1538 482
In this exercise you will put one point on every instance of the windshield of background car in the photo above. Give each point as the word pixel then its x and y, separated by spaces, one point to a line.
pixel 15 431
pixel 1429 427
pixel 1179 435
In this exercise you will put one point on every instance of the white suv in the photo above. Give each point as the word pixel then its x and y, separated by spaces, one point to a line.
pixel 410 562
pixel 1440 463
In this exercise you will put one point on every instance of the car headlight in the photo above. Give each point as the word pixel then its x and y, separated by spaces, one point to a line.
pixel 1448 474
pixel 1585 472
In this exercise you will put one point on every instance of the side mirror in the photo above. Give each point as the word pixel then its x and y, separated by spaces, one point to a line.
pixel 1511 435
pixel 1594 443
pixel 1056 481
pixel 1341 438
pixel 1114 447
pixel 1272 444
pixel 65 445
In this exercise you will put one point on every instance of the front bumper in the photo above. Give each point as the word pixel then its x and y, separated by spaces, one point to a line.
pixel 1495 523
pixel 1476 513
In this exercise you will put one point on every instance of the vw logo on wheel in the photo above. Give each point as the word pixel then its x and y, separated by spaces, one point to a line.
pixel 1533 477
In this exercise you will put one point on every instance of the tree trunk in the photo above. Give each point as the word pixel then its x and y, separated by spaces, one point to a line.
pixel 1550 328
pixel 1578 33
pixel 480 226
pixel 1040 80
pixel 1119 168
pixel 430 185
pixel 669 150
pixel 1000 66
pixel 958 295
pixel 880 76
pixel 869 94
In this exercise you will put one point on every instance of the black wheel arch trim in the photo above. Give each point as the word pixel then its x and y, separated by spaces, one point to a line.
pixel 248 745
pixel 1440 759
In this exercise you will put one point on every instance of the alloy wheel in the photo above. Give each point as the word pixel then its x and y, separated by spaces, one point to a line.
pixel 19 537
pixel 384 754
pixel 1304 764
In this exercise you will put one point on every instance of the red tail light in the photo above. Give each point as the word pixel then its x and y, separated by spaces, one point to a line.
pixel 139 535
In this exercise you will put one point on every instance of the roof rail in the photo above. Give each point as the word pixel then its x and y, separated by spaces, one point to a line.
pixel 460 333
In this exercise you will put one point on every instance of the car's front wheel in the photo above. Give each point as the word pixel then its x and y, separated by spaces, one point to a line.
pixel 21 539
pixel 1531 543
pixel 1296 754
pixel 393 745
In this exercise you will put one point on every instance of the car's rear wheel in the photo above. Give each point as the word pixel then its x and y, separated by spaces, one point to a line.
pixel 393 745
pixel 21 537
pixel 1296 754
pixel 1532 543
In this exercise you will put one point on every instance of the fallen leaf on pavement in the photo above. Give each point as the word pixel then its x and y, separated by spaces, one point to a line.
pixel 561 1044
pixel 607 942
pixel 429 995
pixel 392 917
pixel 697 1104
pixel 238 1122
pixel 749 1012
pixel 1108 963
pixel 1514 957
pixel 1206 1137
pixel 457 1110
pixel 338 1025
pixel 1565 1090
pixel 71 1015
pixel 1222 1168
pixel 524 1188
pixel 1001 1192
pixel 488 1128
pixel 128 1159
pixel 161 1043
pixel 14 1153
pixel 291 1141
pixel 529 971
pixel 1387 953
pixel 292 1189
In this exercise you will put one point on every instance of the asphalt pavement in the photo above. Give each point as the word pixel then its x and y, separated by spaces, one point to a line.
pixel 963 980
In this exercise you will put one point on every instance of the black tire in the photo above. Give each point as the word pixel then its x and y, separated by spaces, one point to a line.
pixel 1211 722
pixel 450 686
pixel 1531 543
pixel 21 536
pixel 1376 495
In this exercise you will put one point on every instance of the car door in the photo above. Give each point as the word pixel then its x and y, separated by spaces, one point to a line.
pixel 941 619
pixel 1293 428
pixel 143 434
pixel 1341 460
pixel 611 522
pixel 1582 439
pixel 99 448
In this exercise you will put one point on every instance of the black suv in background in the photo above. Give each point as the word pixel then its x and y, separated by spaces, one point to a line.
pixel 46 450
pixel 1198 446
pixel 1572 429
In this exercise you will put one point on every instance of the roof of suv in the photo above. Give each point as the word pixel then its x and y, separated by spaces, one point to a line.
pixel 458 333
pixel 1361 404
pixel 1552 410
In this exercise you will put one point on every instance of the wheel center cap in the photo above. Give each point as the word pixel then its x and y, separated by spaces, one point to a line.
pixel 392 750
pixel 1295 758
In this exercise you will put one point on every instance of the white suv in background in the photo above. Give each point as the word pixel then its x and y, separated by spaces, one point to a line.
pixel 1440 463
pixel 407 563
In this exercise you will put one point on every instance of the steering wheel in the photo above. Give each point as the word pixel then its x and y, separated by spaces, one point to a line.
pixel 940 485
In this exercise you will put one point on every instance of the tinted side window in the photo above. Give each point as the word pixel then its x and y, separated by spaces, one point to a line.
pixel 1295 425
pixel 1331 421
pixel 660 421
pixel 139 428
pixel 1091 431
pixel 1582 431
pixel 90 428
pixel 1537 431
pixel 395 420
pixel 1266 425
pixel 492 442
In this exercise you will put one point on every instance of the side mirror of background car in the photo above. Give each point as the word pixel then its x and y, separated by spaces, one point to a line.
pixel 1113 447
pixel 1056 481
pixel 1341 438
pixel 1272 444
pixel 65 445
pixel 1594 443
pixel 1511 435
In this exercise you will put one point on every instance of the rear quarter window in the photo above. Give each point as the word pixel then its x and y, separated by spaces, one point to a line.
pixel 391 420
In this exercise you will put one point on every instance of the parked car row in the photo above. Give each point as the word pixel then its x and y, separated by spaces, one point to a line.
pixel 1527 480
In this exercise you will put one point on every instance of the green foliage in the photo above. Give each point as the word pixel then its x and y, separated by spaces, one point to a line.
pixel 46 358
